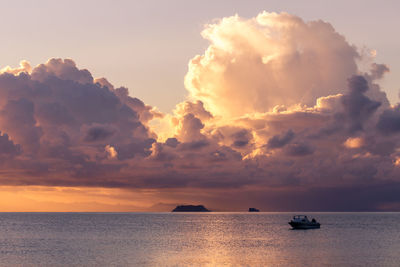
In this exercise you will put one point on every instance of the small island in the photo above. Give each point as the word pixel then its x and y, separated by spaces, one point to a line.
pixel 190 208
pixel 253 210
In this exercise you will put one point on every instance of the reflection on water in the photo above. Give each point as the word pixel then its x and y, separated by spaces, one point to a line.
pixel 197 239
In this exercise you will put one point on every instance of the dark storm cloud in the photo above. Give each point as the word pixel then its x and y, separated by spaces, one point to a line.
pixel 7 147
pixel 130 150
pixel 241 138
pixel 54 114
pixel 357 107
pixel 17 119
pixel 194 145
pixel 278 141
pixel 389 121
pixel 98 133
pixel 172 142
pixel 299 150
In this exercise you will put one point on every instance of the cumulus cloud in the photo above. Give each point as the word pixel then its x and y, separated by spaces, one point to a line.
pixel 389 121
pixel 279 141
pixel 299 150
pixel 7 147
pixel 112 153
pixel 354 142
pixel 358 108
pixel 98 133
pixel 378 70
pixel 252 65
pixel 278 110
pixel 62 120
pixel 62 69
pixel 24 66
pixel 17 119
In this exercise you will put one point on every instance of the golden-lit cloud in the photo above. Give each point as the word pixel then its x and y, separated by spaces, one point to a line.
pixel 253 65
pixel 24 66
pixel 355 142
pixel 112 153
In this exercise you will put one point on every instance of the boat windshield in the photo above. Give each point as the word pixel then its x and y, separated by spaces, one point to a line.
pixel 300 218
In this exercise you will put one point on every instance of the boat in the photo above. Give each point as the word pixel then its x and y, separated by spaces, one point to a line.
pixel 302 222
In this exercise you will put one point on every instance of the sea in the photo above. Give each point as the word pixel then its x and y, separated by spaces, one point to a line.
pixel 197 239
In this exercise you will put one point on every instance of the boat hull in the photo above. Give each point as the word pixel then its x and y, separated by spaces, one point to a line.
pixel 301 225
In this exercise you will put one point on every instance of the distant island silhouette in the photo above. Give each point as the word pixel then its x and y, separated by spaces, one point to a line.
pixel 190 208
pixel 253 210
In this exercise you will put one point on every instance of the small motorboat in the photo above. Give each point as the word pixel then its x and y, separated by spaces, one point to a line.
pixel 302 222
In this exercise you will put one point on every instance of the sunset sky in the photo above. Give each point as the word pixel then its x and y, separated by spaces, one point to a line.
pixel 133 106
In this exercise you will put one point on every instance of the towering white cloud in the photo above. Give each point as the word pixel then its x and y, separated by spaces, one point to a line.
pixel 252 65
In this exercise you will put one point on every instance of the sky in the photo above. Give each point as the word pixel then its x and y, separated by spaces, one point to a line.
pixel 146 46
pixel 132 106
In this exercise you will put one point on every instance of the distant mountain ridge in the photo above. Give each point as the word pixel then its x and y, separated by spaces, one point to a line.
pixel 253 210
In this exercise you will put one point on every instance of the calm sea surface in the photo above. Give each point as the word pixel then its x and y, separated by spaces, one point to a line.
pixel 197 239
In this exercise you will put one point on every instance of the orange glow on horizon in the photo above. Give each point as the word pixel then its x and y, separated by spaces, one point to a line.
pixel 72 199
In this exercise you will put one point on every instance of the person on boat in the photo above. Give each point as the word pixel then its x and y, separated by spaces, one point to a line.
pixel 313 220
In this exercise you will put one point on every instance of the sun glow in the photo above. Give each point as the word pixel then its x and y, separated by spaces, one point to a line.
pixel 73 199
